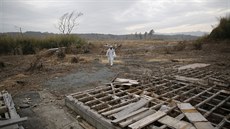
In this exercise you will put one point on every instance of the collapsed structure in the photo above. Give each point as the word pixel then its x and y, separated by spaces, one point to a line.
pixel 9 118
pixel 185 98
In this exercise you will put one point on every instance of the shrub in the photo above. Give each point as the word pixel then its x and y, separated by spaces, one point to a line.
pixel 222 31
pixel 167 50
pixel 180 46
pixel 29 45
pixel 197 45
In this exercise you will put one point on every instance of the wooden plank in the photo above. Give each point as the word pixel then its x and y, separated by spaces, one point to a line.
pixel 185 106
pixel 191 113
pixel 175 123
pixel 129 115
pixel 147 120
pixel 112 89
pixel 5 123
pixel 10 105
pixel 127 81
pixel 132 107
pixel 136 118
pixel 179 117
pixel 203 125
pixel 190 79
pixel 193 66
pixel 85 125
pixel 194 116
pixel 114 110
pixel 124 80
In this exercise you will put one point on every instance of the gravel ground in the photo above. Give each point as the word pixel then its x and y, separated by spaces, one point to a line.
pixel 80 79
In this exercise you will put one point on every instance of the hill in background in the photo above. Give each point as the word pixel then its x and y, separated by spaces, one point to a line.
pixel 95 36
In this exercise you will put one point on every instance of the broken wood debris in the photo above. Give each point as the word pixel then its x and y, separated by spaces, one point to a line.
pixel 175 123
pixel 131 108
pixel 147 120
pixel 8 115
pixel 194 116
pixel 142 104
pixel 126 82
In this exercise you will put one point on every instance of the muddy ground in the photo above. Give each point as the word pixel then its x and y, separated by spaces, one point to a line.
pixel 39 94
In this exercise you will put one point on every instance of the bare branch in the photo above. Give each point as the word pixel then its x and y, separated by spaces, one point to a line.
pixel 68 21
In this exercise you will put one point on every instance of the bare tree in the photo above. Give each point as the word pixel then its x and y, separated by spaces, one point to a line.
pixel 151 32
pixel 68 21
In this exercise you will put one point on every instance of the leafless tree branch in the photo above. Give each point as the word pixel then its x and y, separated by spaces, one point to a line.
pixel 68 21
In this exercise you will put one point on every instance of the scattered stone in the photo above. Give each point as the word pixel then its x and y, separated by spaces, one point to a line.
pixel 27 101
pixel 35 105
pixel 24 105
pixel 21 82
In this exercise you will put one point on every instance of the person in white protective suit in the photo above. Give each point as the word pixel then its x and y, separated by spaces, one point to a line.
pixel 111 55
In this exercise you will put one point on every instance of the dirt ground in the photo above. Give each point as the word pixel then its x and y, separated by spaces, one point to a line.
pixel 39 94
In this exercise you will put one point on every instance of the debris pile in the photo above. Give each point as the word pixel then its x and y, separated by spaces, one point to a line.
pixel 191 98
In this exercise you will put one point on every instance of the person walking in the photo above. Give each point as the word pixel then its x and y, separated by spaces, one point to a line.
pixel 111 55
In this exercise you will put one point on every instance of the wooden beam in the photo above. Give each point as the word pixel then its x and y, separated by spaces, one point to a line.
pixel 208 99
pixel 13 121
pixel 112 89
pixel 10 105
pixel 179 117
pixel 129 115
pixel 197 95
pixel 110 112
pixel 132 107
pixel 119 105
pixel 194 116
pixel 136 118
pixel 214 108
pixel 175 123
pixel 173 91
pixel 147 120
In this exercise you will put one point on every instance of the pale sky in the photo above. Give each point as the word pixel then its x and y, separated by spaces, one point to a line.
pixel 114 16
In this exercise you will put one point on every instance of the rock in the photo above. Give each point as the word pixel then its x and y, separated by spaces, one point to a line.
pixel 35 105
pixel 24 105
pixel 21 82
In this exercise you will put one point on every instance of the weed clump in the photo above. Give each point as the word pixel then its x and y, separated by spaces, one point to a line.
pixel 180 46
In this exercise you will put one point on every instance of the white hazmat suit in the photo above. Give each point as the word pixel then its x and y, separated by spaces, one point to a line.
pixel 111 54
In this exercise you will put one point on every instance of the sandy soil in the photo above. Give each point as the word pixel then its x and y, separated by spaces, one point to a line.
pixel 44 89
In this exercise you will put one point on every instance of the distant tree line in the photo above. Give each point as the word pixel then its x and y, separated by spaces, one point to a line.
pixel 145 36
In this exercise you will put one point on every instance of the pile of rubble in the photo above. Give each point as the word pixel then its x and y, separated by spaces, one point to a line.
pixel 189 98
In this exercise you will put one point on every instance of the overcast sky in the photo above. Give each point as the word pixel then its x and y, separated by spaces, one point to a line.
pixel 114 16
